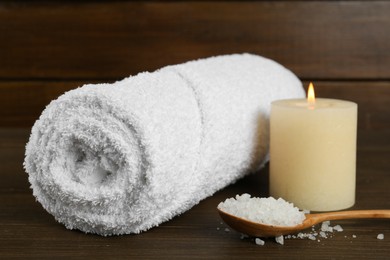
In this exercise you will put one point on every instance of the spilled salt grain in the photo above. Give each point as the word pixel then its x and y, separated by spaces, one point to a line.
pixel 263 210
pixel 259 242
pixel 325 231
pixel 280 240
pixel 325 226
pixel 380 236
pixel 338 228
pixel 323 234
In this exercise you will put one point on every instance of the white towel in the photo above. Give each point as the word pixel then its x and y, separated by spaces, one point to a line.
pixel 122 158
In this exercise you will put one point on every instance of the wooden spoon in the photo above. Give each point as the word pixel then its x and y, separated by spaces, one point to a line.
pixel 262 230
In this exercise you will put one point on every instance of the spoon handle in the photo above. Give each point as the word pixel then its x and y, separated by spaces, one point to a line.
pixel 349 214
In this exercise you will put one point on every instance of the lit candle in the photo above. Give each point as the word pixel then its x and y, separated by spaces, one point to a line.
pixel 313 152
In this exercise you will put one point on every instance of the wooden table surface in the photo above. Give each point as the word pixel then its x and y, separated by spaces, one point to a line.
pixel 27 230
pixel 49 47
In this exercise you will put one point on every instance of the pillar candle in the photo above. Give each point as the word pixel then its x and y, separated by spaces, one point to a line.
pixel 313 152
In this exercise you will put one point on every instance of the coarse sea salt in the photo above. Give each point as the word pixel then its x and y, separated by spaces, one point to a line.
pixel 338 228
pixel 259 242
pixel 325 231
pixel 380 236
pixel 280 240
pixel 268 211
pixel 325 227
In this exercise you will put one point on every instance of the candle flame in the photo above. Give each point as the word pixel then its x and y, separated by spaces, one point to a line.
pixel 311 99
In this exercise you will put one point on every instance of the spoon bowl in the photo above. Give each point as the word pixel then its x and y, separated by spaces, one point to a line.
pixel 263 230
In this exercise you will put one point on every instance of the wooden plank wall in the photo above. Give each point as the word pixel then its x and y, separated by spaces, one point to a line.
pixel 47 48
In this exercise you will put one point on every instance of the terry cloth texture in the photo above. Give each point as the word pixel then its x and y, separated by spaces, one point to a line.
pixel 124 157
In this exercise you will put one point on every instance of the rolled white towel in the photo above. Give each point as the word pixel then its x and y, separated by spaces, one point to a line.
pixel 121 158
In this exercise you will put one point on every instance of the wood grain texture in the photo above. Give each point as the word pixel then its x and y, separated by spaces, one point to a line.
pixel 28 231
pixel 47 48
pixel 23 102
pixel 316 39
pixel 373 99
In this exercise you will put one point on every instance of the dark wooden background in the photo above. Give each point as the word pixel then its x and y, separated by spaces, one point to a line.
pixel 49 47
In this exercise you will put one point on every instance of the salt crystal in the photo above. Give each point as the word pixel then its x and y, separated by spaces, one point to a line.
pixel 227 230
pixel 325 226
pixel 263 210
pixel 323 234
pixel 354 236
pixel 381 236
pixel 279 240
pixel 259 242
pixel 338 228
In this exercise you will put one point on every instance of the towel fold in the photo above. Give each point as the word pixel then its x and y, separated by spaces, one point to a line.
pixel 121 158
